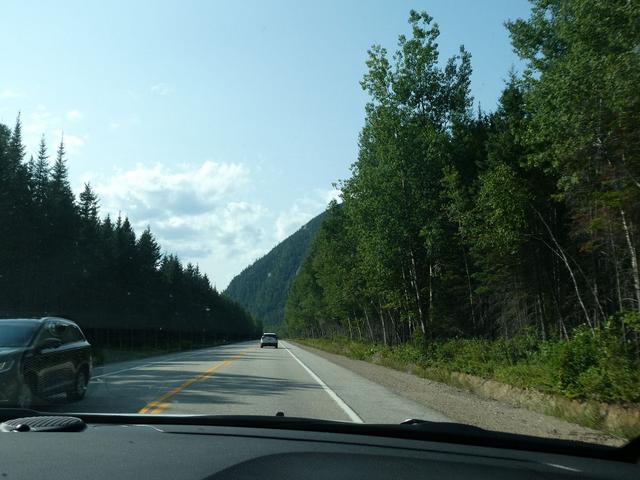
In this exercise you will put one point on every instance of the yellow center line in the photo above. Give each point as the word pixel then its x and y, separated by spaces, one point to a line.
pixel 160 408
pixel 159 405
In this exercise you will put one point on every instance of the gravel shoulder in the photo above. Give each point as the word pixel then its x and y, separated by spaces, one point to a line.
pixel 466 407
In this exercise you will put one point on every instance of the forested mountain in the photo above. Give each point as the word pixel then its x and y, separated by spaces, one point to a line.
pixel 470 224
pixel 58 257
pixel 263 286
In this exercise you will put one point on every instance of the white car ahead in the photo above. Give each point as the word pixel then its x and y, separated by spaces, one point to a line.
pixel 269 340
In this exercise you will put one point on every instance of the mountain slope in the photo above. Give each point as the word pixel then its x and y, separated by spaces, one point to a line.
pixel 262 287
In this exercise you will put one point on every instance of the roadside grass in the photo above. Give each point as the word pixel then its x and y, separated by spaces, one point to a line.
pixel 584 380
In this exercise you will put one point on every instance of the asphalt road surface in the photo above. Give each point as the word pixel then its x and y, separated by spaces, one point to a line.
pixel 243 379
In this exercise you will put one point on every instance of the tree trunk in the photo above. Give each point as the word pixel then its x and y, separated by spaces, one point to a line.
pixel 358 327
pixel 541 316
pixel 634 258
pixel 394 330
pixel 563 329
pixel 560 252
pixel 616 268
pixel 540 295
pixel 466 269
pixel 596 320
pixel 366 316
pixel 407 301
pixel 430 296
pixel 384 327
pixel 416 285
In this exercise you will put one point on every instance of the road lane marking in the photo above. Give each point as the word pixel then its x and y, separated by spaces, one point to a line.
pixel 154 405
pixel 347 409
pixel 172 359
pixel 159 405
pixel 161 408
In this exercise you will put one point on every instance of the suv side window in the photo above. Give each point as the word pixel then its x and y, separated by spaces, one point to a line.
pixel 72 334
pixel 58 330
pixel 50 330
pixel 63 332
pixel 67 333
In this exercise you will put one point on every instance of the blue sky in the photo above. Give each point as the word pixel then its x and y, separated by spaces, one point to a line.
pixel 221 124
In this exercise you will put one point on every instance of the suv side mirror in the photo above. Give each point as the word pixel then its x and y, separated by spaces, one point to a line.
pixel 50 344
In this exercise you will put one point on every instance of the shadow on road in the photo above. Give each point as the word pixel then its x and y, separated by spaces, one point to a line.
pixel 130 390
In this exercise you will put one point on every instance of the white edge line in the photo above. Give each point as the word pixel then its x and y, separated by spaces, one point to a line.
pixel 347 409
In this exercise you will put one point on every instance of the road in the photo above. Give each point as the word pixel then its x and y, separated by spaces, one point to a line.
pixel 243 379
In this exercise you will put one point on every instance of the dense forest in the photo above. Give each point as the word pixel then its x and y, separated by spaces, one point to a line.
pixel 59 257
pixel 458 223
pixel 263 286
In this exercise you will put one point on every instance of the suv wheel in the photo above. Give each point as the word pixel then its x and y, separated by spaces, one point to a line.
pixel 79 387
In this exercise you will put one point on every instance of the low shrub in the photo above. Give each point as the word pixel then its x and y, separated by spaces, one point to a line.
pixel 591 365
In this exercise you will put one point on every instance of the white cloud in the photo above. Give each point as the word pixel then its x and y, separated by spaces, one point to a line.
pixel 303 210
pixel 74 115
pixel 73 143
pixel 200 212
pixel 181 190
pixel 291 220
pixel 333 194
pixel 195 211
pixel 9 93
pixel 161 89
pixel 41 121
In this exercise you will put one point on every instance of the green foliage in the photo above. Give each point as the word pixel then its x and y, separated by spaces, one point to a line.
pixel 501 244
pixel 598 366
pixel 577 358
pixel 584 107
pixel 590 367
pixel 631 320
pixel 502 205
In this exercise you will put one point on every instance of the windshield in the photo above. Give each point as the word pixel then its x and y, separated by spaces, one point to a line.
pixel 16 333
pixel 354 211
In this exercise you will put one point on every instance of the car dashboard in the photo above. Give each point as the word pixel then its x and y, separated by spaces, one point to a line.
pixel 135 449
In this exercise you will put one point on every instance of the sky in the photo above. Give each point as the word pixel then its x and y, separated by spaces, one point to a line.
pixel 222 125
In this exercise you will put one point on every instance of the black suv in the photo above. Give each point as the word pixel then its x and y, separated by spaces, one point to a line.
pixel 42 358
